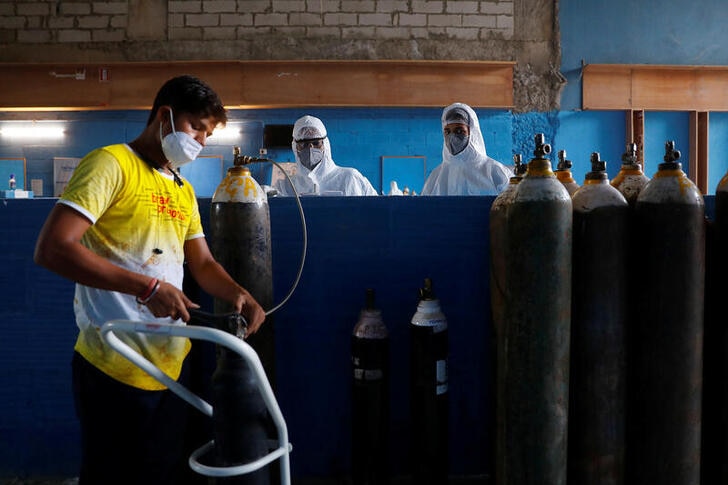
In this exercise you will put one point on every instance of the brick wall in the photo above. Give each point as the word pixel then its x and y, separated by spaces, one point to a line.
pixel 524 31
pixel 28 22
pixel 44 21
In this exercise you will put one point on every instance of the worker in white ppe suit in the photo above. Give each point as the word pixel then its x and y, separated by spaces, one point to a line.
pixel 316 172
pixel 466 169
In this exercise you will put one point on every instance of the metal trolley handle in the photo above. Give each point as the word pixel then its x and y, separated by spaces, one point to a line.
pixel 221 338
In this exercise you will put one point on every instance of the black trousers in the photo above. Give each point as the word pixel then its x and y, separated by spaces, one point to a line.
pixel 132 436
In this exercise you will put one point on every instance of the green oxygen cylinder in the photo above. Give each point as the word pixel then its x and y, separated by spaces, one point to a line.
pixel 597 382
pixel 532 447
pixel 563 173
pixel 666 341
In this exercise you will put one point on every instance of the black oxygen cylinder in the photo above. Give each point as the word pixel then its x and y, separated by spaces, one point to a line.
pixel 631 179
pixel 563 173
pixel 714 467
pixel 241 242
pixel 597 382
pixel 429 390
pixel 498 243
pixel 370 397
pixel 666 348
pixel 240 419
pixel 532 448
pixel 498 225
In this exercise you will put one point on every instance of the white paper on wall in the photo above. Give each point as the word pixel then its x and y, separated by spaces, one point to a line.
pixel 63 168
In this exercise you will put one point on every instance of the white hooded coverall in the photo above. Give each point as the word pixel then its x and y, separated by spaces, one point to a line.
pixel 326 178
pixel 470 172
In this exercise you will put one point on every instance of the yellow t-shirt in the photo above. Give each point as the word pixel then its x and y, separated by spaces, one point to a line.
pixel 140 221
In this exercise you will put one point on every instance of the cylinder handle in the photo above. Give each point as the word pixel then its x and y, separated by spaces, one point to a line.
pixel 542 148
pixel 563 164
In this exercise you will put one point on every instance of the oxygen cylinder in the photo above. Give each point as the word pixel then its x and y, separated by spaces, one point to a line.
pixel 563 173
pixel 597 382
pixel 429 390
pixel 241 423
pixel 715 358
pixel 498 274
pixel 532 447
pixel 666 349
pixel 241 242
pixel 498 243
pixel 631 179
pixel 370 397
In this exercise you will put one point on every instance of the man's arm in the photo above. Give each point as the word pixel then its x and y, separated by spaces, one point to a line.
pixel 59 249
pixel 214 280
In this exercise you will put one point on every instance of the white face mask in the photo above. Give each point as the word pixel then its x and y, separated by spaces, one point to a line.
pixel 179 147
pixel 310 157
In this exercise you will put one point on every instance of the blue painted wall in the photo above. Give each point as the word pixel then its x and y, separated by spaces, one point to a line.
pixel 399 241
pixel 646 32
pixel 360 137
pixel 679 32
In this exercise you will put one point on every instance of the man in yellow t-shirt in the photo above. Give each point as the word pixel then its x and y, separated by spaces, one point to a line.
pixel 122 230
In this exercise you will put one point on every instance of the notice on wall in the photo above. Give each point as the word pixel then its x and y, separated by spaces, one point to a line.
pixel 63 168
pixel 36 185
pixel 278 175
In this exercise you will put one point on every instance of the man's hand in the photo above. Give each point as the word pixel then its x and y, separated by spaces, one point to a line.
pixel 170 301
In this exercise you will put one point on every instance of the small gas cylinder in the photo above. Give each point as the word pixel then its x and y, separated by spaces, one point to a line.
pixel 532 447
pixel 715 359
pixel 240 240
pixel 429 390
pixel 370 397
pixel 666 341
pixel 597 381
pixel 631 179
pixel 563 173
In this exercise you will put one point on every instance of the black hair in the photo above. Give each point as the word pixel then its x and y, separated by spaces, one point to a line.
pixel 188 94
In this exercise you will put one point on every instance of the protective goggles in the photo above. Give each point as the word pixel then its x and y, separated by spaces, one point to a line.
pixel 309 142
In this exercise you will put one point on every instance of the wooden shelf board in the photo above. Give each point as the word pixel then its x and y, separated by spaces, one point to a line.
pixel 654 87
pixel 261 84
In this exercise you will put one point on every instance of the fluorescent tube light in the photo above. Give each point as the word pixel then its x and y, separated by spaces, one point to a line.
pixel 32 131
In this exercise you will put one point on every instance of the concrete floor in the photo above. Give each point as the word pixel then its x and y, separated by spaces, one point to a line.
pixel 38 481
pixel 480 480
